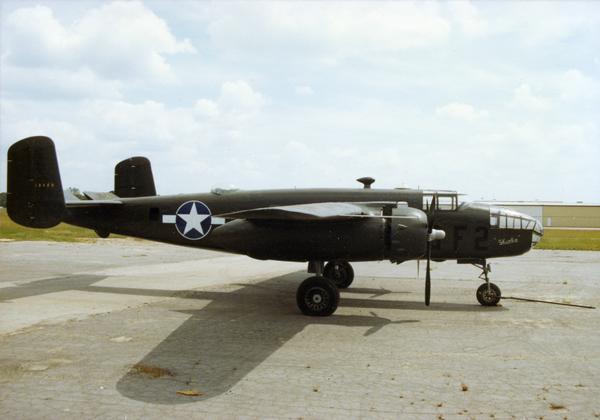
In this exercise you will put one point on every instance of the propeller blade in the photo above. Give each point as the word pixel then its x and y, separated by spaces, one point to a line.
pixel 431 213
pixel 430 221
pixel 427 286
pixel 428 276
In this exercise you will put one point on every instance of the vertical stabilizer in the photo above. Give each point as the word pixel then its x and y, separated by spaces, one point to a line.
pixel 133 178
pixel 34 191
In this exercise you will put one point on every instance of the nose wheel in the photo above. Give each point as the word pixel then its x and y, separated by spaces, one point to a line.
pixel 488 294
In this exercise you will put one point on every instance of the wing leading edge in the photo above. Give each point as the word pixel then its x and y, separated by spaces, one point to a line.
pixel 314 211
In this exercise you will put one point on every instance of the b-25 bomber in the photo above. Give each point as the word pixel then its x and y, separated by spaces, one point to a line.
pixel 326 228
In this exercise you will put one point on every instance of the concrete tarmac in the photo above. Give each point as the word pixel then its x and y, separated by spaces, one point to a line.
pixel 126 328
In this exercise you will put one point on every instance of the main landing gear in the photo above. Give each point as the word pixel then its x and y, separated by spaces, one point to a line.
pixel 488 294
pixel 340 272
pixel 319 295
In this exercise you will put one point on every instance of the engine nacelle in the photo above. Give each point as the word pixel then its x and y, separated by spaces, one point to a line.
pixel 351 240
pixel 408 234
pixel 398 238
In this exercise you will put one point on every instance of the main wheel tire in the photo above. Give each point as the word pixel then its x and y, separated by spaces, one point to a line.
pixel 340 272
pixel 488 298
pixel 317 296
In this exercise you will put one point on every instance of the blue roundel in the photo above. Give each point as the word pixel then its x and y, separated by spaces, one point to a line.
pixel 193 220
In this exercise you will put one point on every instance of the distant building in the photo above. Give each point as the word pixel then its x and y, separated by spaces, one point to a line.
pixel 555 213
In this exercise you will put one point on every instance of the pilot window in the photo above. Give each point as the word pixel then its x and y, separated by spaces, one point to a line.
pixel 444 200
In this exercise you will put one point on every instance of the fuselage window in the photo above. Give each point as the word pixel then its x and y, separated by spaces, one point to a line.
pixel 494 220
pixel 508 219
pixel 502 222
pixel 154 214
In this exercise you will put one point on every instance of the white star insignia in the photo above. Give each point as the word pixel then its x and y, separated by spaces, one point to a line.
pixel 193 220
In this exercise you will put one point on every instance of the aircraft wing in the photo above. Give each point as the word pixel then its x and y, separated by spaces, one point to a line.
pixel 313 211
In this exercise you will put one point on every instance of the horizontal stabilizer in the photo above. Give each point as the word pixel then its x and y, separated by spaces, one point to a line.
pixel 69 196
pixel 100 195
pixel 93 199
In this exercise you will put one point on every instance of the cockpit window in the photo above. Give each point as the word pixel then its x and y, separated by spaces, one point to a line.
pixel 445 200
pixel 509 219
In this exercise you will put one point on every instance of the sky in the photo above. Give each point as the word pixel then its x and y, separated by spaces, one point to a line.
pixel 497 100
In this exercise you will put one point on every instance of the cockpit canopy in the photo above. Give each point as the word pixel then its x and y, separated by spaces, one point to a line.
pixel 445 200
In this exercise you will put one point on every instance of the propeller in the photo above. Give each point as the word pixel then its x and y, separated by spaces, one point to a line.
pixel 432 235
pixel 430 218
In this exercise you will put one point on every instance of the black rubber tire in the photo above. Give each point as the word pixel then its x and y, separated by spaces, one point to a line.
pixel 317 296
pixel 490 298
pixel 340 272
pixel 103 233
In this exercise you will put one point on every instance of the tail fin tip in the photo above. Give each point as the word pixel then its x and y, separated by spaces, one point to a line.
pixel 34 189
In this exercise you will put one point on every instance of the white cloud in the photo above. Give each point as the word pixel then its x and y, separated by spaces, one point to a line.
pixel 461 111
pixel 239 96
pixel 468 17
pixel 207 121
pixel 101 132
pixel 524 98
pixel 397 83
pixel 53 83
pixel 542 22
pixel 207 108
pixel 117 40
pixel 146 121
pixel 341 29
pixel 574 85
pixel 237 102
pixel 304 90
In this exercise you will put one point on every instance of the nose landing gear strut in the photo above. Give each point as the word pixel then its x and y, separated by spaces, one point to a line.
pixel 488 294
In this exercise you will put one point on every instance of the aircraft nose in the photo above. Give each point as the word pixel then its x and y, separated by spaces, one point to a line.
pixel 538 232
pixel 502 218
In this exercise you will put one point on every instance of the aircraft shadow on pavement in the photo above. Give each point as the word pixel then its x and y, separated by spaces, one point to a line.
pixel 218 345
pixel 51 285
pixel 227 339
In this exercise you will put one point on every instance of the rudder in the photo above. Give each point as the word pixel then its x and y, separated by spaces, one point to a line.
pixel 34 191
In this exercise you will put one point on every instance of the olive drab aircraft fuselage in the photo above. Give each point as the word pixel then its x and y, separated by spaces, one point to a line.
pixel 327 228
